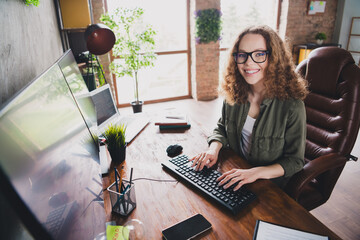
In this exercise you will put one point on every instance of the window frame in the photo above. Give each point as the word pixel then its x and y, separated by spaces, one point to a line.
pixel 187 51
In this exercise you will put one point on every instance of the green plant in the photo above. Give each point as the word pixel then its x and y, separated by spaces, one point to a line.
pixel 33 2
pixel 134 44
pixel 115 136
pixel 320 36
pixel 208 25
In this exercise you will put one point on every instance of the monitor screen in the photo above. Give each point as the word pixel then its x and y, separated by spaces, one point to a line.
pixel 50 159
pixel 77 86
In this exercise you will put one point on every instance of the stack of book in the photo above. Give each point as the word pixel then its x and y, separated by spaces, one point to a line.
pixel 173 122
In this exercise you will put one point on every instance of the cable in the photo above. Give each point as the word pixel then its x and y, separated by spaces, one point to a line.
pixel 150 179
pixel 155 180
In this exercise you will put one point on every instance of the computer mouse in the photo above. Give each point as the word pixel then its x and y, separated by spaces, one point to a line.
pixel 174 150
pixel 58 199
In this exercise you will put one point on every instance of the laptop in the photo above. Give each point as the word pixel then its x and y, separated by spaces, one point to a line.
pixel 107 113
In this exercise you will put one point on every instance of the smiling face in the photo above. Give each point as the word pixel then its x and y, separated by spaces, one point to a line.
pixel 253 73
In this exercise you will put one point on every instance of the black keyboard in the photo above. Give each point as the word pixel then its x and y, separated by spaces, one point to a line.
pixel 205 181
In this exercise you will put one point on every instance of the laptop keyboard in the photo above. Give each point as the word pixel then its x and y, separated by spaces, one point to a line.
pixel 205 181
pixel 58 219
pixel 134 124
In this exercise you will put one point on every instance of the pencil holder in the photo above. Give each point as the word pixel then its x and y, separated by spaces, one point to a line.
pixel 124 200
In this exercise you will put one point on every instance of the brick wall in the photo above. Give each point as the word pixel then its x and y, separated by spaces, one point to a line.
pixel 301 27
pixel 207 70
pixel 205 59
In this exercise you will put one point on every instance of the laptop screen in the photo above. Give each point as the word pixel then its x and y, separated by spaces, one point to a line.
pixel 104 104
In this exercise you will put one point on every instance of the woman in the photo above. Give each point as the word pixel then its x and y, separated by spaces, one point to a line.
pixel 263 115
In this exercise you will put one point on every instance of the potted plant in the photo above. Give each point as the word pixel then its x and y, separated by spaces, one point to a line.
pixel 32 2
pixel 320 37
pixel 115 142
pixel 134 45
pixel 208 25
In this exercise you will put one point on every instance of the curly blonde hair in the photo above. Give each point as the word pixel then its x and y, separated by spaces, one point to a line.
pixel 281 80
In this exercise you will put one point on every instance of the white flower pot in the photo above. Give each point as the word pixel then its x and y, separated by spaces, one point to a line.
pixel 319 41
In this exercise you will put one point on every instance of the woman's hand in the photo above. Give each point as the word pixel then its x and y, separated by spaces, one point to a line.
pixel 208 158
pixel 237 176
pixel 245 176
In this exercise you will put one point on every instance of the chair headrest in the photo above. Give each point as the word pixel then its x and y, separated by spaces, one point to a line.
pixel 324 66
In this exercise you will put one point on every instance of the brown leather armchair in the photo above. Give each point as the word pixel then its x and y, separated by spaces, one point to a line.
pixel 333 118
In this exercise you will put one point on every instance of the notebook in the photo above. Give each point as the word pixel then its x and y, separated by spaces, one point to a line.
pixel 107 113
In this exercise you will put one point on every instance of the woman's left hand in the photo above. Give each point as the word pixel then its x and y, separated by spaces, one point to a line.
pixel 245 176
pixel 239 176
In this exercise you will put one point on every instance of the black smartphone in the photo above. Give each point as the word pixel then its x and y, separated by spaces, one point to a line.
pixel 187 229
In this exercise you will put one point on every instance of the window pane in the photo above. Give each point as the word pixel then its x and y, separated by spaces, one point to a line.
pixel 238 14
pixel 168 18
pixel 354 44
pixel 167 79
pixel 223 61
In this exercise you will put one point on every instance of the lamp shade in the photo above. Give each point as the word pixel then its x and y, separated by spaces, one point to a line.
pixel 99 39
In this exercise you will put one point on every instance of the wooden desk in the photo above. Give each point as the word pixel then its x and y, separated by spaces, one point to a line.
pixel 161 204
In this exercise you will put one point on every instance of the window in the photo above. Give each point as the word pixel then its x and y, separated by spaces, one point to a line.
pixel 169 78
pixel 239 14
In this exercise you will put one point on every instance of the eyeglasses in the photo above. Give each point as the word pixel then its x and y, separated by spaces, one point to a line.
pixel 256 56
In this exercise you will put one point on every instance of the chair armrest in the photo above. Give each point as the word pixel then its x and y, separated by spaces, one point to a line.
pixel 352 157
pixel 311 170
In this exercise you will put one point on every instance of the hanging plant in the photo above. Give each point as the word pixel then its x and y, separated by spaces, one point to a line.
pixel 32 2
pixel 208 25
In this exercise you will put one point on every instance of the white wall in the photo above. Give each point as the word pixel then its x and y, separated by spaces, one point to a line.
pixel 346 10
pixel 29 43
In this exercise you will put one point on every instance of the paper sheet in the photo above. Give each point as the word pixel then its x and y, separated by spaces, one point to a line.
pixel 269 231
pixel 317 7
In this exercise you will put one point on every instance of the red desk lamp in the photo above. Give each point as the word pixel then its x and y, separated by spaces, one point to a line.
pixel 100 39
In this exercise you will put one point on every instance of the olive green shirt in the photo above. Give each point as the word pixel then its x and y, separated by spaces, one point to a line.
pixel 278 134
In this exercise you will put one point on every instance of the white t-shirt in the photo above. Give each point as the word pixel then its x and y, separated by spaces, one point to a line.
pixel 246 135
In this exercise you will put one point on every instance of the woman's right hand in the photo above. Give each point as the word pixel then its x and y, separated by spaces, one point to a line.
pixel 207 158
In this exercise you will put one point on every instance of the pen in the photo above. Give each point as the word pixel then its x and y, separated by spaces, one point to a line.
pixel 128 186
pixel 175 117
pixel 116 180
pixel 117 187
pixel 131 172
pixel 124 191
pixel 121 184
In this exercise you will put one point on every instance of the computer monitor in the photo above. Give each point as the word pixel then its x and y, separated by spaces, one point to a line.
pixel 78 88
pixel 48 161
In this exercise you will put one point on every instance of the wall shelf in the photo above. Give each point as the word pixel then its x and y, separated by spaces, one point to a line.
pixel 353 44
pixel 301 51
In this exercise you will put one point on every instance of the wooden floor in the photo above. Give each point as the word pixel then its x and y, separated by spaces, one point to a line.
pixel 341 213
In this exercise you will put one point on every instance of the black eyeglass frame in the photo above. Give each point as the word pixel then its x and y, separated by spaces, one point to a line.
pixel 235 55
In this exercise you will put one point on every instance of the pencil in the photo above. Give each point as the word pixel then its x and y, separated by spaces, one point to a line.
pixel 131 172
pixel 116 180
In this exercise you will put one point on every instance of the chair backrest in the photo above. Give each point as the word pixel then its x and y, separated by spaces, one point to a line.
pixel 332 108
